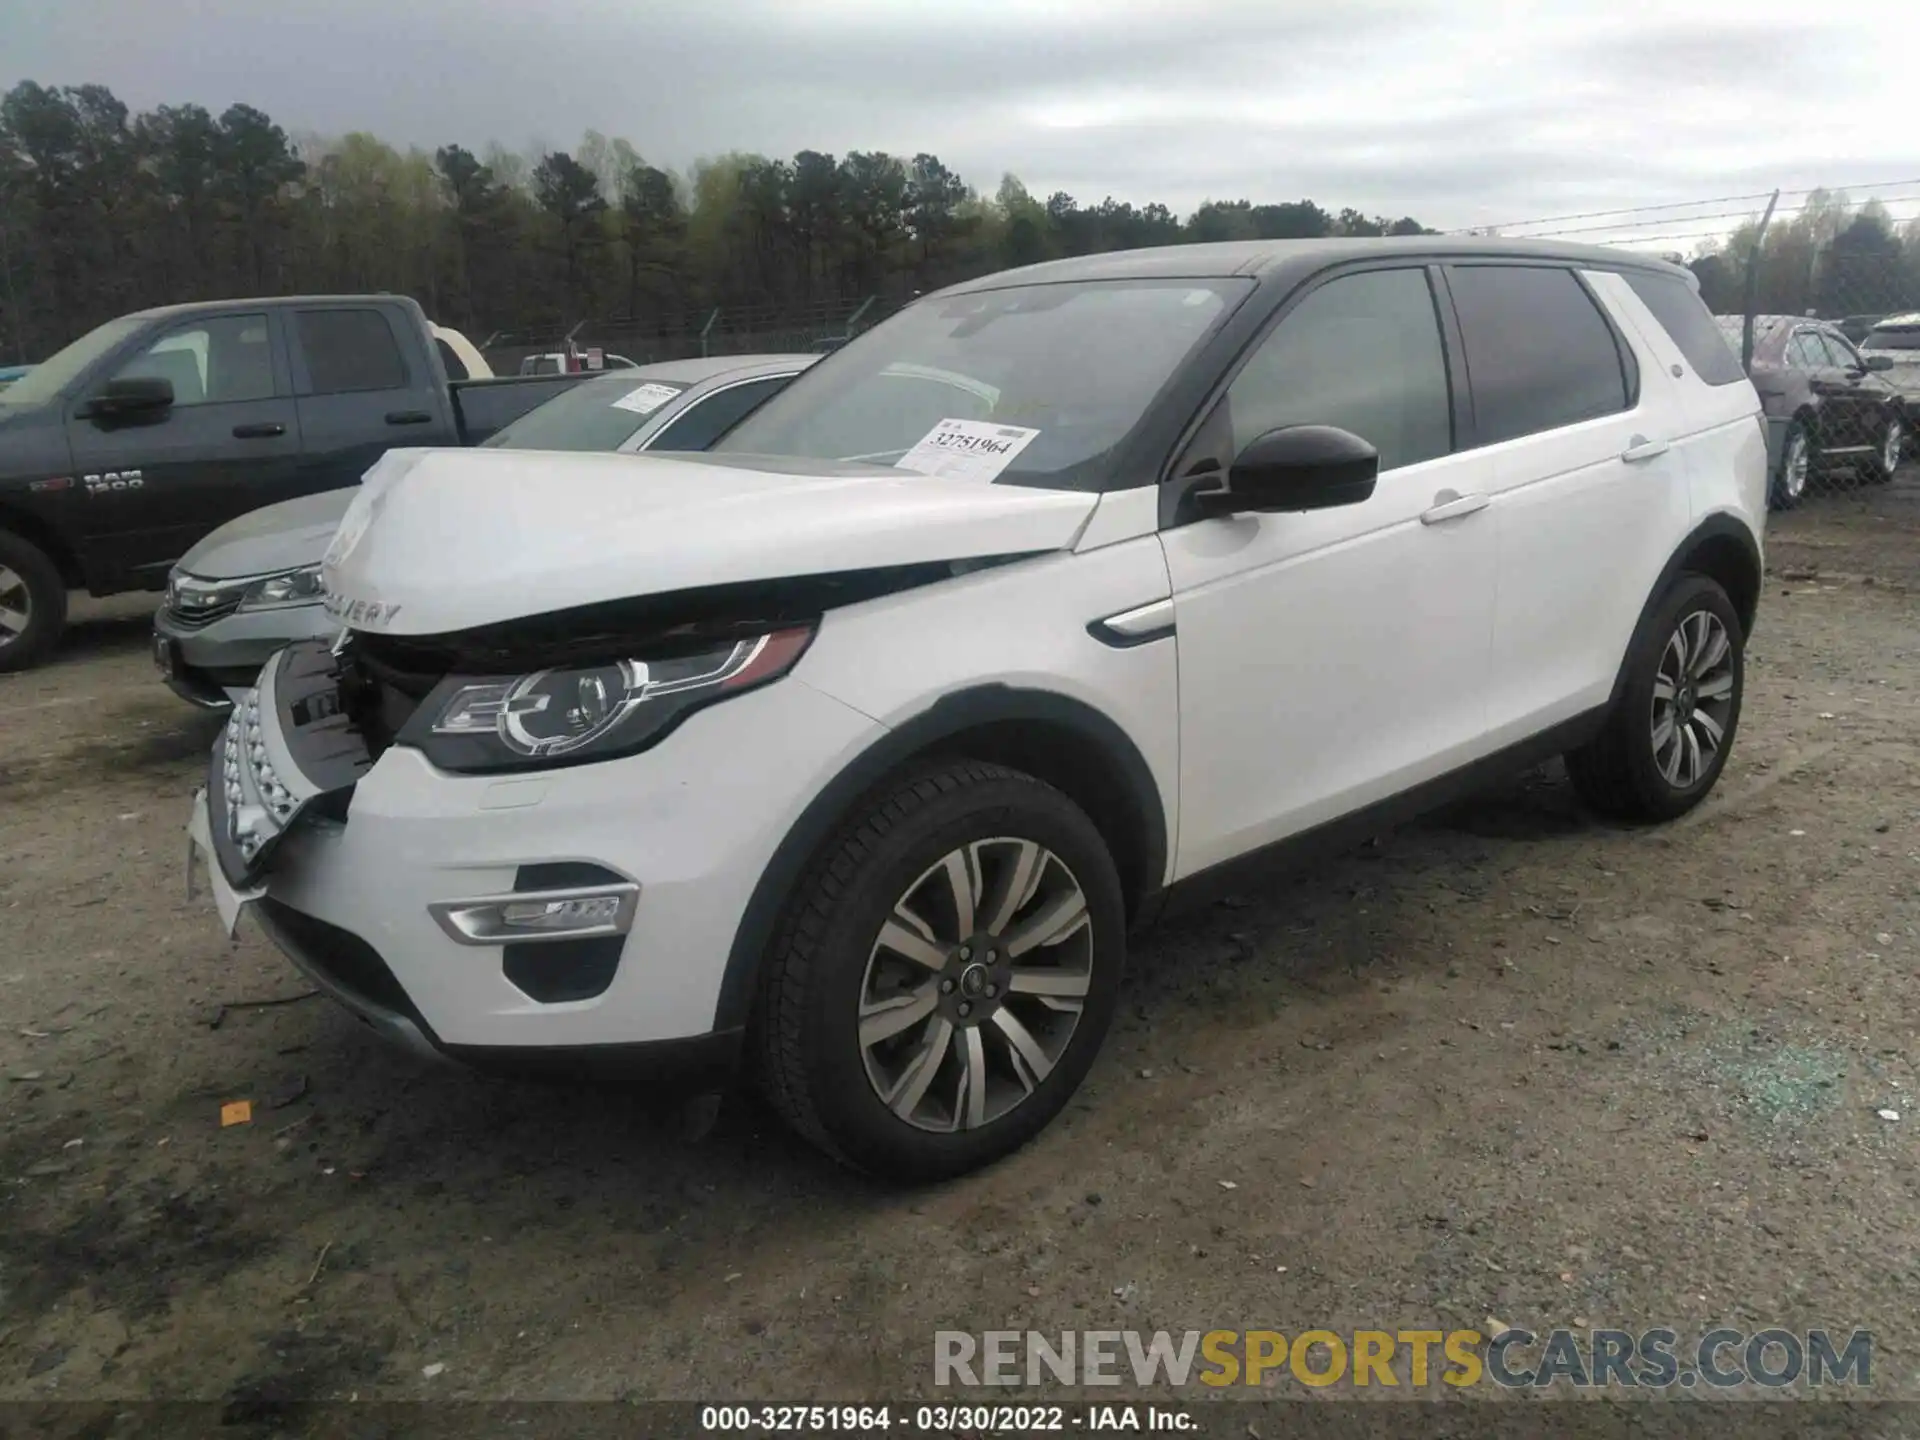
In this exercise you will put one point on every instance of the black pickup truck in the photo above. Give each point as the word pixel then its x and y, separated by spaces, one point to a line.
pixel 122 450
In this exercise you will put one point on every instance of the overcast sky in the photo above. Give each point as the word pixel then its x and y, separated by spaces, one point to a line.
pixel 1477 112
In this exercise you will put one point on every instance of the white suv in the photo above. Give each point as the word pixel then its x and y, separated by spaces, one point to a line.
pixel 855 747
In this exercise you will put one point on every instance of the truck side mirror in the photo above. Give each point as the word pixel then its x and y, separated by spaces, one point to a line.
pixel 133 395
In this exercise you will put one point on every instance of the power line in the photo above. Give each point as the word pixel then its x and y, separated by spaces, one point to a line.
pixel 1677 204
pixel 1693 219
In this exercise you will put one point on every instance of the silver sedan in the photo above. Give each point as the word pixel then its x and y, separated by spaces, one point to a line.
pixel 253 585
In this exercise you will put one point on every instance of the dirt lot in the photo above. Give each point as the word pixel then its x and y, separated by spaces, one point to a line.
pixel 1509 1063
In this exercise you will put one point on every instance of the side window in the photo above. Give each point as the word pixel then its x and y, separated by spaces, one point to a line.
pixel 350 350
pixel 210 362
pixel 1362 352
pixel 1840 354
pixel 1805 350
pixel 705 422
pixel 1539 352
pixel 1684 317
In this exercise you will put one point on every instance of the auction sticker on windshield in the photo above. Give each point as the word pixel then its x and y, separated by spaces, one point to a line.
pixel 966 450
pixel 645 399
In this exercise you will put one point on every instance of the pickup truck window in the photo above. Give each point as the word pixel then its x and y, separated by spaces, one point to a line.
pixel 350 350
pixel 57 371
pixel 209 362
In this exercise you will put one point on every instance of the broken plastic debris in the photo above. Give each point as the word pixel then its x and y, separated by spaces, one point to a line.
pixel 1889 1114
pixel 1229 1185
pixel 434 1369
pixel 236 1112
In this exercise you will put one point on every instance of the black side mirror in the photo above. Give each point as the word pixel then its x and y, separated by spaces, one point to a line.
pixel 1297 467
pixel 135 395
pixel 1877 362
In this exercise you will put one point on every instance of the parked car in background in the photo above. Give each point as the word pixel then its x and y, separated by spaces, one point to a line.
pixel 851 748
pixel 560 362
pixel 11 373
pixel 130 444
pixel 1896 340
pixel 1829 408
pixel 1855 327
pixel 253 585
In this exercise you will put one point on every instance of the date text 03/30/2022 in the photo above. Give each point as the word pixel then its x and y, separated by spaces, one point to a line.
pixel 945 1419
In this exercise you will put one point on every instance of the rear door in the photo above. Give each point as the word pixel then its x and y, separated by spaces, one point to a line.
pixel 230 443
pixel 1590 494
pixel 363 389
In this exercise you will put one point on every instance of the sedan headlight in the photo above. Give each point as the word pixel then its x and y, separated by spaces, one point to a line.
pixel 291 587
pixel 588 712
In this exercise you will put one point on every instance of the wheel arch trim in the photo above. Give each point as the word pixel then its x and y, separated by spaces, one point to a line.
pixel 947 720
pixel 1711 535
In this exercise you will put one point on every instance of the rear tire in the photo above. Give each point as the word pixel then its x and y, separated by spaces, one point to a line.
pixel 1673 725
pixel 1798 459
pixel 33 603
pixel 927 1061
pixel 1893 445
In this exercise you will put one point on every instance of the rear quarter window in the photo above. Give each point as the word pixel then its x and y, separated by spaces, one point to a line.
pixel 1540 355
pixel 1689 325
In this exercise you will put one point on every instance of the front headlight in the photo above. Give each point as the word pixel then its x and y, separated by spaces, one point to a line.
pixel 292 587
pixel 588 712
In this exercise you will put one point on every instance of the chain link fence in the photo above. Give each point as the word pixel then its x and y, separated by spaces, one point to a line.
pixel 1839 377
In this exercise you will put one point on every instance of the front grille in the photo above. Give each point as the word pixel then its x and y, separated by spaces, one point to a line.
pixel 201 615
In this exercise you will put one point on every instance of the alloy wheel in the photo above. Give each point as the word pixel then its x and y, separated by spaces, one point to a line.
pixel 975 984
pixel 16 605
pixel 1692 699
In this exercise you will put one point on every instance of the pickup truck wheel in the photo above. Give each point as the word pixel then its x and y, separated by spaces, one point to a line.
pixel 1672 729
pixel 33 603
pixel 945 974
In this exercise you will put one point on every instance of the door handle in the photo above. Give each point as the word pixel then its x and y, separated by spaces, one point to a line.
pixel 1640 448
pixel 259 432
pixel 408 417
pixel 1452 505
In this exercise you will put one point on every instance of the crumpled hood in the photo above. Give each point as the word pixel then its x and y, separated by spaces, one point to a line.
pixel 446 540
pixel 275 537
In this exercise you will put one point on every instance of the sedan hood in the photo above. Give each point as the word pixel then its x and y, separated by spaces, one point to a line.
pixel 273 538
pixel 451 540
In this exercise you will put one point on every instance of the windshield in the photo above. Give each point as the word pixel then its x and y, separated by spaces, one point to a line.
pixel 593 415
pixel 1905 337
pixel 1037 383
pixel 47 379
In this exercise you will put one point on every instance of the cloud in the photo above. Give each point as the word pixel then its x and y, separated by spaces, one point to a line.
pixel 1475 112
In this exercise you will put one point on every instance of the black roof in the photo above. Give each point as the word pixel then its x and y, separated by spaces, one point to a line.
pixel 1270 258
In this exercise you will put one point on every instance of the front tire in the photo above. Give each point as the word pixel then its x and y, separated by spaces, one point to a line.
pixel 1673 726
pixel 33 603
pixel 945 973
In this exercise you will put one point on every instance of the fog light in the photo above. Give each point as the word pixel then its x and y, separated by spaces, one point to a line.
pixel 539 915
pixel 569 915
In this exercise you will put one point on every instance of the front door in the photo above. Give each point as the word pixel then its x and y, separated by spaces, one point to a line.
pixel 1333 658
pixel 230 443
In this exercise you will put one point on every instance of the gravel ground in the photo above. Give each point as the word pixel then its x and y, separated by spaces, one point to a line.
pixel 1510 1062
